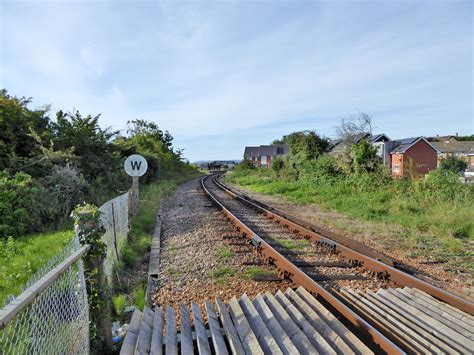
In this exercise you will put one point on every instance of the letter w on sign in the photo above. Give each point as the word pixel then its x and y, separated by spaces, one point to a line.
pixel 135 165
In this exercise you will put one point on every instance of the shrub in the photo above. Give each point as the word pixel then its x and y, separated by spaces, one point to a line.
pixel 278 164
pixel 18 207
pixel 452 164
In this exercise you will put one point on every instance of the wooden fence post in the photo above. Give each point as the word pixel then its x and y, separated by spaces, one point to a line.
pixel 88 229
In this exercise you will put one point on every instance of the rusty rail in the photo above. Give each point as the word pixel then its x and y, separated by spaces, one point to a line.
pixel 298 276
pixel 367 261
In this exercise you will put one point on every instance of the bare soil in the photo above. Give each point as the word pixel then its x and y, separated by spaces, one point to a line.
pixel 382 238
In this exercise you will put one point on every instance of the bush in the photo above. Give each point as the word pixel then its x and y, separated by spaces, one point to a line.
pixel 18 208
pixel 278 164
pixel 452 164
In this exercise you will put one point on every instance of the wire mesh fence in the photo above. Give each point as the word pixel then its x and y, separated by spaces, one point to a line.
pixel 114 218
pixel 57 320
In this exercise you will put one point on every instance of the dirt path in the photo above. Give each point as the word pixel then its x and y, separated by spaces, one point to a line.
pixel 382 238
pixel 197 263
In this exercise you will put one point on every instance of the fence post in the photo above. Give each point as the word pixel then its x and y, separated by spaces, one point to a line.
pixel 88 229
pixel 134 201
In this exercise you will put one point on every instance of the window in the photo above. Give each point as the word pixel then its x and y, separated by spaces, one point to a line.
pixel 279 150
pixel 396 168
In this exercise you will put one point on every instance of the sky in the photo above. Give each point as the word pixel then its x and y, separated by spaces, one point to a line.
pixel 220 75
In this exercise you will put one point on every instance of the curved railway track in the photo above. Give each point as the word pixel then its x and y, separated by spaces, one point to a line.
pixel 326 265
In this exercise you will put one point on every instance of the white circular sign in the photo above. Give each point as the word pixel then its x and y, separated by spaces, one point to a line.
pixel 135 165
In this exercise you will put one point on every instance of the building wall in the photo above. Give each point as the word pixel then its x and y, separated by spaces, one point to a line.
pixel 396 161
pixel 424 158
pixel 421 155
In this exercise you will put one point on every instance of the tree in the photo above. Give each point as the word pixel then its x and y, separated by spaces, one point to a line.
pixel 351 128
pixel 18 148
pixel 364 156
pixel 452 164
pixel 306 145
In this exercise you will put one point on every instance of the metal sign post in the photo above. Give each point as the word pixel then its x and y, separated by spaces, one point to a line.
pixel 135 166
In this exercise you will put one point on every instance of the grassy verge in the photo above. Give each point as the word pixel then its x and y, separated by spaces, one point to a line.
pixel 20 258
pixel 426 229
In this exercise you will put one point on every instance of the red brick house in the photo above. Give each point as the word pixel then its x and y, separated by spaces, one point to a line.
pixel 413 153
pixel 262 156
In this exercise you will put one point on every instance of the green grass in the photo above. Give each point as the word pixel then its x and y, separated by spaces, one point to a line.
pixel 173 273
pixel 222 273
pixel 138 296
pixel 293 243
pixel 119 302
pixel 224 253
pixel 20 258
pixel 431 227
pixel 254 271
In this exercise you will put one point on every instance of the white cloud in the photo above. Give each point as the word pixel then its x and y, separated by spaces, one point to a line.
pixel 230 70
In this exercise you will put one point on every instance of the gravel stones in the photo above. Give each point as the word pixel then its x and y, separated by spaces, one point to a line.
pixel 196 262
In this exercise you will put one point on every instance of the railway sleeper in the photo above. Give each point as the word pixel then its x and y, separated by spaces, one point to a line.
pixel 306 264
pixel 322 277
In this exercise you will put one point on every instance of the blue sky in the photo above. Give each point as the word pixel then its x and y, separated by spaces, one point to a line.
pixel 222 75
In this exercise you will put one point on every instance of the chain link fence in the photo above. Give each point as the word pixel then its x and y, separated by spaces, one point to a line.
pixel 56 321
pixel 51 315
pixel 114 218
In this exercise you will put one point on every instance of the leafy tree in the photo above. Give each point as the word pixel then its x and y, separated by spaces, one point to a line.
pixel 452 164
pixel 307 145
pixel 364 156
pixel 18 148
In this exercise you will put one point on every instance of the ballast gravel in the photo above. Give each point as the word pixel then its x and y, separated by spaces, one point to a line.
pixel 196 262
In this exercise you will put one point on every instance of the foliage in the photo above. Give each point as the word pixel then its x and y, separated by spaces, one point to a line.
pixel 139 295
pixel 68 160
pixel 307 145
pixel 438 208
pixel 89 231
pixel 21 257
pixel 120 302
pixel 465 138
pixel 452 164
pixel 364 156
pixel 18 214
pixel 278 164
pixel 244 164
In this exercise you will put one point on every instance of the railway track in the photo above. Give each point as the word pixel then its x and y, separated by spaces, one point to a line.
pixel 329 266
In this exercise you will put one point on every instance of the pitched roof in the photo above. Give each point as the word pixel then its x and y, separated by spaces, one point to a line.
pixel 269 150
pixel 407 143
pixel 380 136
pixel 453 146
pixel 251 152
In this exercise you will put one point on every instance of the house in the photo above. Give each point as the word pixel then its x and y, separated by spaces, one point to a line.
pixel 264 154
pixel 415 155
pixel 451 146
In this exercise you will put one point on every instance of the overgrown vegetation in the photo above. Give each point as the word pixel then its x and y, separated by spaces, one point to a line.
pixel 21 257
pixel 48 166
pixel 436 214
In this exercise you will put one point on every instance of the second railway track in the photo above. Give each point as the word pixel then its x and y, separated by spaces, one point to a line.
pixel 324 266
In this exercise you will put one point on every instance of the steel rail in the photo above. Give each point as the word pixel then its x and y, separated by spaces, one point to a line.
pixel 299 277
pixel 370 263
